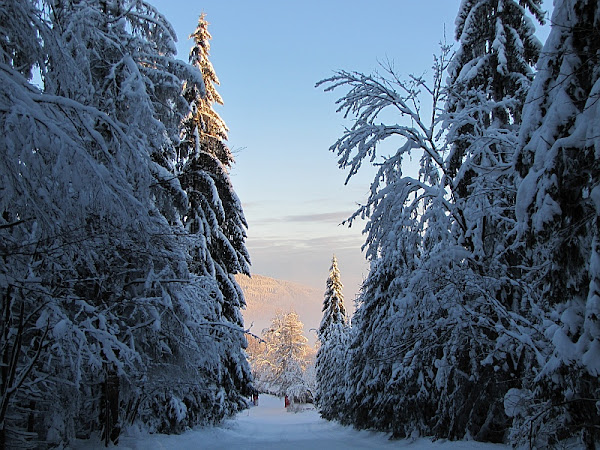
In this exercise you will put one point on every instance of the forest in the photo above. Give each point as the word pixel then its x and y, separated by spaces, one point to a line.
pixel 121 234
pixel 480 316
pixel 120 231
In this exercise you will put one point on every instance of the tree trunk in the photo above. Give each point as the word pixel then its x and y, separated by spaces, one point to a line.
pixel 109 414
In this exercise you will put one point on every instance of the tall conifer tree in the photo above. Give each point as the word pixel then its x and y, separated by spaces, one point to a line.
pixel 105 318
pixel 331 356
pixel 433 330
pixel 408 216
pixel 203 123
pixel 558 206
pixel 214 217
pixel 488 80
pixel 334 311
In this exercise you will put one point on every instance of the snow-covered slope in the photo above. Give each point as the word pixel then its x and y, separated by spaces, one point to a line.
pixel 265 296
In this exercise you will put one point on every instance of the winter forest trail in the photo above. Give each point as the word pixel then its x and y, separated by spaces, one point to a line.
pixel 270 426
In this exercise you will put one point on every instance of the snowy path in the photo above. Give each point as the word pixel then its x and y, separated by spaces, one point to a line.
pixel 270 426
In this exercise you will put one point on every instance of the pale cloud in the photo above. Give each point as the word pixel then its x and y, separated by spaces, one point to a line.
pixel 305 244
pixel 328 218
pixel 297 245
pixel 307 260
pixel 336 217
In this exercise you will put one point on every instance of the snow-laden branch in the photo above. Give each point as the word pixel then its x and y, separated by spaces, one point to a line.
pixel 371 100
pixel 368 97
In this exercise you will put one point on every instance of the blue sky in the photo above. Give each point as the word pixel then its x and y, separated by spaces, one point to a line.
pixel 268 56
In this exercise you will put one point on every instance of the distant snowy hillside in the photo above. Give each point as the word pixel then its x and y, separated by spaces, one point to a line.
pixel 265 296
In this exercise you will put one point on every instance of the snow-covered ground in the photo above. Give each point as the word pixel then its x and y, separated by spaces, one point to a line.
pixel 270 426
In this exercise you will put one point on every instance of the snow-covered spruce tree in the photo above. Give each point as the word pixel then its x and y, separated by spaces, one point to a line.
pixel 410 298
pixel 99 308
pixel 431 332
pixel 331 356
pixel 557 210
pixel 203 123
pixel 100 34
pixel 333 303
pixel 77 204
pixel 489 78
pixel 214 219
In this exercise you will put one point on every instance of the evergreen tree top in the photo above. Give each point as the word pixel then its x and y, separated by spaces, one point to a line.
pixel 497 41
pixel 334 311
pixel 468 7
pixel 203 125
pixel 199 58
pixel 489 78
